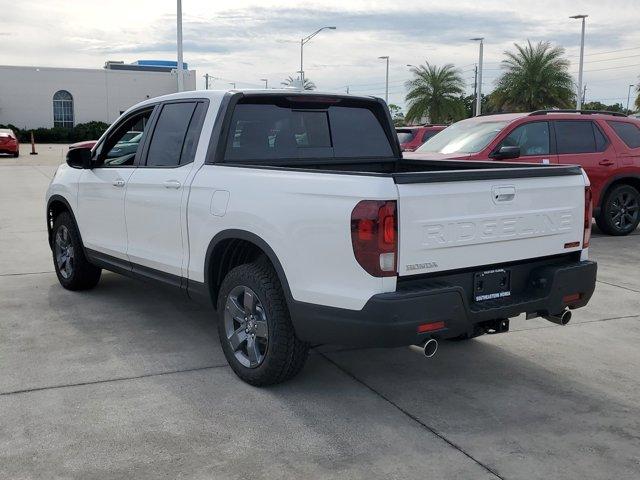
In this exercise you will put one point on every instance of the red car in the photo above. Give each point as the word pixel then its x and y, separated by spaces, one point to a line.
pixel 605 144
pixel 412 137
pixel 9 142
pixel 85 144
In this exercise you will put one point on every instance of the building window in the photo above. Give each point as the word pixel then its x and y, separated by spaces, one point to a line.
pixel 62 109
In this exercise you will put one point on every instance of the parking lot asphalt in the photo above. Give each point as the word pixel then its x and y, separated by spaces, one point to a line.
pixel 129 381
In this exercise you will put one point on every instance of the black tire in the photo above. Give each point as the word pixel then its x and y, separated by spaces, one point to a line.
pixel 16 155
pixel 74 273
pixel 620 211
pixel 282 354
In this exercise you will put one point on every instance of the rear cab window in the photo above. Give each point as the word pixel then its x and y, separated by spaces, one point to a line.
pixel 628 132
pixel 305 128
pixel 405 135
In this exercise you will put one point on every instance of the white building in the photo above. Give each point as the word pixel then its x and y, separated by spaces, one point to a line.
pixel 33 97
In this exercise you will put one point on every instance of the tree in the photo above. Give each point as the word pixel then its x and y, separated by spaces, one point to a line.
pixel 396 115
pixel 434 93
pixel 638 97
pixel 537 77
pixel 616 107
pixel 469 102
pixel 295 82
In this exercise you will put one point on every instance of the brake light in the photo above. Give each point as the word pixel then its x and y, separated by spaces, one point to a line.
pixel 374 236
pixel 588 215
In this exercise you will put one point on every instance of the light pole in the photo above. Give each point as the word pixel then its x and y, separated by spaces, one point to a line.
pixel 266 82
pixel 386 85
pixel 479 91
pixel 180 63
pixel 304 41
pixel 233 84
pixel 579 101
pixel 629 96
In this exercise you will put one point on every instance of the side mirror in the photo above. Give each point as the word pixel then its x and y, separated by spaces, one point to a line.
pixel 79 158
pixel 506 153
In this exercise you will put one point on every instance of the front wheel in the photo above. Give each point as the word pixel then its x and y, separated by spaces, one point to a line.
pixel 620 212
pixel 72 267
pixel 254 326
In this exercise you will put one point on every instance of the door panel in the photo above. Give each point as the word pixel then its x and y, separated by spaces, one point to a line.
pixel 100 216
pixel 154 203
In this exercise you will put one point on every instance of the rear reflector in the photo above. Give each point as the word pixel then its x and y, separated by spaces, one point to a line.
pixel 572 245
pixel 574 297
pixel 430 327
pixel 588 214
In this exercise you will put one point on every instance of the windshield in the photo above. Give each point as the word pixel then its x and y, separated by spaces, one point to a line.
pixel 405 136
pixel 467 136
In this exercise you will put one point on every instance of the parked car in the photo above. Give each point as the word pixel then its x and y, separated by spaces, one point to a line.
pixel 412 137
pixel 85 144
pixel 296 217
pixel 605 144
pixel 9 142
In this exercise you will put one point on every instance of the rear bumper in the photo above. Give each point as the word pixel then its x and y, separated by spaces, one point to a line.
pixel 391 319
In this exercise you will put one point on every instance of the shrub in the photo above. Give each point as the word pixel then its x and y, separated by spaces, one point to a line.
pixel 79 133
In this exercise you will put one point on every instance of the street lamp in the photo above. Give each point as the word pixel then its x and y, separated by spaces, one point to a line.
pixel 304 41
pixel 179 41
pixel 266 82
pixel 479 94
pixel 386 88
pixel 629 96
pixel 233 84
pixel 579 101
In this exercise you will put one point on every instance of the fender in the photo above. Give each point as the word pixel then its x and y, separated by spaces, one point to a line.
pixel 200 290
pixel 59 198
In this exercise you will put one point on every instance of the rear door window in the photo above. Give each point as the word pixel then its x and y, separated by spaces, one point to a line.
pixel 169 134
pixel 629 133
pixel 282 130
pixel 579 136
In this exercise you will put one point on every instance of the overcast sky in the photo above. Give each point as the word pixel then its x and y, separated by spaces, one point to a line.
pixel 243 41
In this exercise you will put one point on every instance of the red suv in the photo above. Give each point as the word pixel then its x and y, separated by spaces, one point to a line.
pixel 605 144
pixel 412 137
pixel 9 142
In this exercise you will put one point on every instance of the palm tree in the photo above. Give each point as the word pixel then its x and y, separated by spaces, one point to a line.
pixel 638 97
pixel 536 77
pixel 294 82
pixel 435 93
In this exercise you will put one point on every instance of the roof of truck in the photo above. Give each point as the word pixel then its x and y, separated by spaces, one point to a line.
pixel 218 94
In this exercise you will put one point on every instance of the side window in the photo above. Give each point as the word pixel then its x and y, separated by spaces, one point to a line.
pixel 121 146
pixel 532 138
pixel 629 133
pixel 578 137
pixel 169 134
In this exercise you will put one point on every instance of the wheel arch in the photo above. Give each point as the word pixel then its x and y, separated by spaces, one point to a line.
pixel 628 179
pixel 233 247
pixel 56 205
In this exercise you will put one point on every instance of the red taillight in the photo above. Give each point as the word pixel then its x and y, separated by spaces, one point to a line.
pixel 374 235
pixel 588 214
pixel 430 327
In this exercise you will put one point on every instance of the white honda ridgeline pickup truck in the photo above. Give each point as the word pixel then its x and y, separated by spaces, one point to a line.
pixel 296 216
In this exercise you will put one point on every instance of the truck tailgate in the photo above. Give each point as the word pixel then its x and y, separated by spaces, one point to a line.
pixel 448 225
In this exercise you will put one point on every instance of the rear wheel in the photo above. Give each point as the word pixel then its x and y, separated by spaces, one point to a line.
pixel 16 155
pixel 254 326
pixel 620 212
pixel 72 267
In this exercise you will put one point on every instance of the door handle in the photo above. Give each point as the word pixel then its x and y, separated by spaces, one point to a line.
pixel 118 183
pixel 172 184
pixel 605 163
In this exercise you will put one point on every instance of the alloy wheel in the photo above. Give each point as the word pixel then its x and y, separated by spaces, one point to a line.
pixel 624 210
pixel 64 252
pixel 245 325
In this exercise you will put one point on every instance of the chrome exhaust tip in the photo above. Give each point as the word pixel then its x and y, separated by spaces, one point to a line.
pixel 430 347
pixel 561 318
